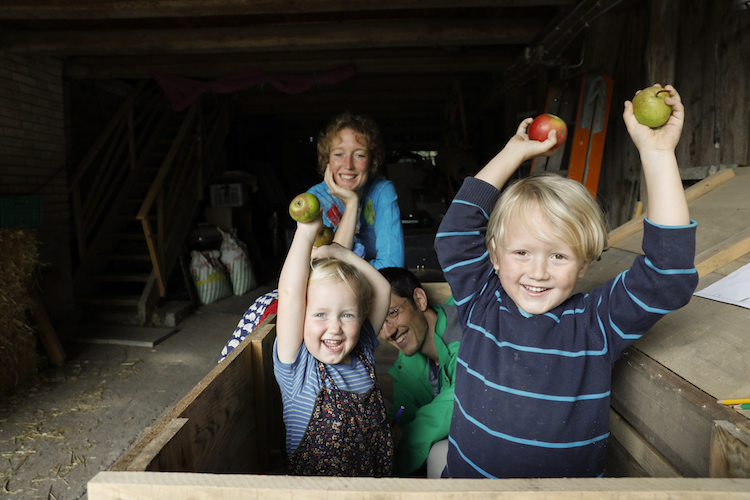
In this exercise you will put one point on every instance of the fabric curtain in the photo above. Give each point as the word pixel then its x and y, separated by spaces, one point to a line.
pixel 182 91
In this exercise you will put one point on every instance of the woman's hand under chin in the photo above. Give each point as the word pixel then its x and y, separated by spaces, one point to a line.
pixel 347 196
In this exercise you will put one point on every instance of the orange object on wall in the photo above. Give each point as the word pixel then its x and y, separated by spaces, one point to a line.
pixel 590 131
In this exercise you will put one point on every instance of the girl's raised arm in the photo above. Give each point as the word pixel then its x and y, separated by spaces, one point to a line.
pixel 290 317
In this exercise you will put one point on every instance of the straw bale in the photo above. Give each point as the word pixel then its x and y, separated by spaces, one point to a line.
pixel 19 357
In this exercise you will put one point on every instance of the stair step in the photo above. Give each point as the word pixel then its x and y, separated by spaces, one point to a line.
pixel 113 300
pixel 122 277
pixel 141 257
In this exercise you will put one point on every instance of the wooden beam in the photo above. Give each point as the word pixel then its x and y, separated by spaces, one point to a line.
pixel 671 414
pixel 304 37
pixel 367 62
pixel 640 450
pixel 51 342
pixel 164 438
pixel 692 193
pixel 135 9
pixel 722 254
pixel 424 110
pixel 730 451
pixel 166 485
pixel 220 441
pixel 549 45
pixel 661 52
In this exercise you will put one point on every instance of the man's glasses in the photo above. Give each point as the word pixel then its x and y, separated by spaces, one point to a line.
pixel 393 313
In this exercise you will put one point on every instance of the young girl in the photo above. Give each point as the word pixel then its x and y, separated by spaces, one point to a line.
pixel 329 312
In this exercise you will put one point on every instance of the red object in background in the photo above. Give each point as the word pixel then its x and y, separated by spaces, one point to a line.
pixel 542 124
pixel 182 91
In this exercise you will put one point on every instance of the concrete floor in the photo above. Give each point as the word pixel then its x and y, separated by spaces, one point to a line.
pixel 80 418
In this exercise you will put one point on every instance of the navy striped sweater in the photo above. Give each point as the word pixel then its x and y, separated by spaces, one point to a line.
pixel 532 391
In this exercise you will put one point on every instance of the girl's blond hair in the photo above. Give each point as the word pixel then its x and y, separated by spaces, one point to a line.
pixel 570 211
pixel 335 270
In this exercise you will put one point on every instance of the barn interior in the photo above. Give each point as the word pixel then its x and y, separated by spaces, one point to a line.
pixel 130 130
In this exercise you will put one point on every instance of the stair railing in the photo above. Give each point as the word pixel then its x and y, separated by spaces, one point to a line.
pixel 156 194
pixel 97 186
pixel 178 181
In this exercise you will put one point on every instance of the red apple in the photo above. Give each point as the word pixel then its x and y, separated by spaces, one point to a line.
pixel 542 124
pixel 304 207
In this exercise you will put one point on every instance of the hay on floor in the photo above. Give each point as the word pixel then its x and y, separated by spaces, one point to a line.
pixel 19 358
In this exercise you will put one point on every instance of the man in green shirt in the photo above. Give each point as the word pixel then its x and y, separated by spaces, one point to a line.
pixel 428 337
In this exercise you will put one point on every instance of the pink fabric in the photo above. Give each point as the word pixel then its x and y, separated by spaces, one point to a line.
pixel 182 91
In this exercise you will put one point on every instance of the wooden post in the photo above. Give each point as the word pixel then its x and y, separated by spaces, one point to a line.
pixel 661 52
pixel 730 451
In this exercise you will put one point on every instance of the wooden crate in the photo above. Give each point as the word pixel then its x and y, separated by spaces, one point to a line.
pixel 224 437
pixel 231 422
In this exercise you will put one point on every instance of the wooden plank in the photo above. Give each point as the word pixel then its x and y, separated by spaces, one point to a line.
pixel 661 52
pixel 221 420
pixel 268 407
pixel 691 194
pixel 350 35
pixel 709 184
pixel 401 61
pixel 143 485
pixel 705 344
pixel 620 463
pixel 700 173
pixel 148 454
pixel 653 463
pixel 671 414
pixel 139 336
pixel 176 455
pixel 47 334
pixel 129 9
pixel 732 266
pixel 730 451
pixel 722 254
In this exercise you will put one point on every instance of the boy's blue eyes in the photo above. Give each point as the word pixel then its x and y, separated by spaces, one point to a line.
pixel 557 256
pixel 344 315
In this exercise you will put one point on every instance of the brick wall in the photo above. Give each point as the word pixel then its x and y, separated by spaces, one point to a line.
pixel 32 131
pixel 32 161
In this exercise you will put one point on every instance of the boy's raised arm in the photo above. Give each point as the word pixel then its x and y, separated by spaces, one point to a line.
pixel 381 289
pixel 290 318
pixel 666 196
pixel 518 149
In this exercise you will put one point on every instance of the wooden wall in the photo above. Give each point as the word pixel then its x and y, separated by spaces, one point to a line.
pixel 704 44
pixel 709 61
pixel 32 159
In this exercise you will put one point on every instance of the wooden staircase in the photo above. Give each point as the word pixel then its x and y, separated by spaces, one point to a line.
pixel 134 197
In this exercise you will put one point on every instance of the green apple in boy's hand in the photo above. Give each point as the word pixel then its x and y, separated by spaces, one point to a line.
pixel 649 107
pixel 539 129
pixel 324 237
pixel 304 207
